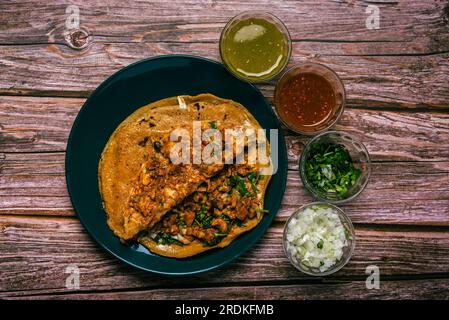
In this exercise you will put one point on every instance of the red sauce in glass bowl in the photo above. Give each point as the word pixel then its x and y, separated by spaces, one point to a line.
pixel 309 98
pixel 306 100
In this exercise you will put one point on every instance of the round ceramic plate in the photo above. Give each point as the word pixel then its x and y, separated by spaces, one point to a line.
pixel 115 99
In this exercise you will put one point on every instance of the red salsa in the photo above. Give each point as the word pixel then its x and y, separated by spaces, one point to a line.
pixel 306 100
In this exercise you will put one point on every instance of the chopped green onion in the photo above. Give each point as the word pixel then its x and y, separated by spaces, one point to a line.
pixel 216 235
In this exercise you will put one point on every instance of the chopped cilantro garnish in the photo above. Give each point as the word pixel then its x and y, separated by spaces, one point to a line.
pixel 239 183
pixel 202 218
pixel 231 222
pixel 254 179
pixel 226 219
pixel 217 235
pixel 241 188
pixel 238 223
pixel 180 221
pixel 207 221
pixel 165 238
pixel 330 169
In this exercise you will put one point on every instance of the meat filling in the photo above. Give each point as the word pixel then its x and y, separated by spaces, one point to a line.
pixel 219 205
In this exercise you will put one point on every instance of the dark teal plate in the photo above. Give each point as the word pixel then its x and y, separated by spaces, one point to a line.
pixel 115 99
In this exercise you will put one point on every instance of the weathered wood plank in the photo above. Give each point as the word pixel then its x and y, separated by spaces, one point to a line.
pixel 405 64
pixel 418 26
pixel 409 290
pixel 34 254
pixel 374 81
pixel 30 124
pixel 398 192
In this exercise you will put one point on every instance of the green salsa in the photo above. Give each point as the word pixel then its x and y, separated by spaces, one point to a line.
pixel 254 49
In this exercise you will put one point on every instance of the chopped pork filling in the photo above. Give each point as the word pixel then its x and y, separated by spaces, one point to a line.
pixel 160 186
pixel 218 206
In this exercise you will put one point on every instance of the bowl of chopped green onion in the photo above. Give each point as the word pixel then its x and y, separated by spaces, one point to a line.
pixel 335 167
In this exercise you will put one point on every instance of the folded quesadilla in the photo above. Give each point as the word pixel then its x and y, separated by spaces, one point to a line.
pixel 149 198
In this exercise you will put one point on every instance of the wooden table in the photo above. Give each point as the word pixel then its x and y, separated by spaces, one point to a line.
pixel 397 82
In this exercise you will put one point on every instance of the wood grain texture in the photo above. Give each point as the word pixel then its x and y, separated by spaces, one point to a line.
pixel 419 25
pixel 354 290
pixel 30 124
pixel 397 82
pixel 403 64
pixel 35 252
pixel 34 184
pixel 371 80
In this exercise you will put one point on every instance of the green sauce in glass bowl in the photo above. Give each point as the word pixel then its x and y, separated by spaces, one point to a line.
pixel 255 46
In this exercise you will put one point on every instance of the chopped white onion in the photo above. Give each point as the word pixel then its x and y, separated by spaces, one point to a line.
pixel 316 238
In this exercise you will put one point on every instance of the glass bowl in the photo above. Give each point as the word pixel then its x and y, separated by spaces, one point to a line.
pixel 347 250
pixel 359 155
pixel 337 87
pixel 246 26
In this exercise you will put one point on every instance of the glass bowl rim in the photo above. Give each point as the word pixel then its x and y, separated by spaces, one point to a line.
pixel 341 213
pixel 284 31
pixel 293 68
pixel 311 189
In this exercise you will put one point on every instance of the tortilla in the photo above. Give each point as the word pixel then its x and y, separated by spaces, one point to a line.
pixel 196 246
pixel 128 180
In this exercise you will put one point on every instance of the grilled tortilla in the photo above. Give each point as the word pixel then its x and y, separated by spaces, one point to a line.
pixel 138 183
pixel 221 209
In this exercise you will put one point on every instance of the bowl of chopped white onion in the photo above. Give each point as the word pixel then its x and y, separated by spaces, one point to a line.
pixel 319 239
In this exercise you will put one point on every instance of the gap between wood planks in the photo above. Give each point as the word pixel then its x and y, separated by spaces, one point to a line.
pixel 406 228
pixel 35 185
pixel 357 266
pixel 291 134
pixel 402 54
pixel 187 42
pixel 403 81
pixel 425 285
pixel 85 94
pixel 105 39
